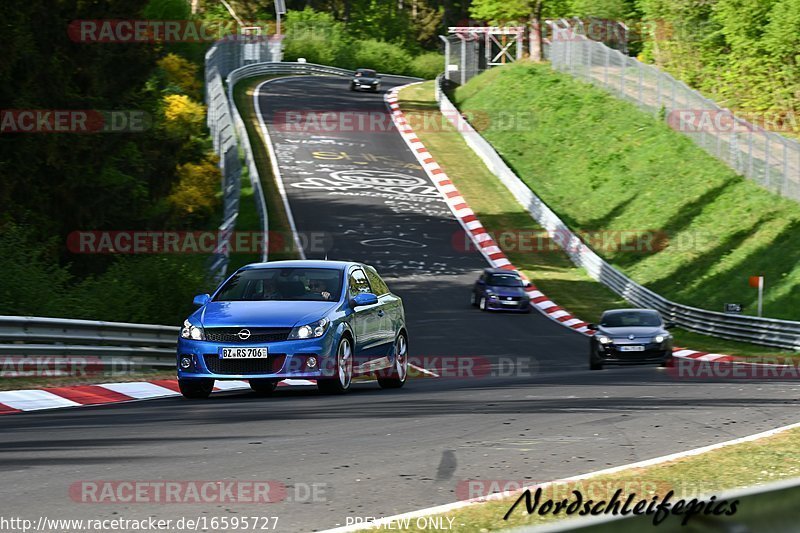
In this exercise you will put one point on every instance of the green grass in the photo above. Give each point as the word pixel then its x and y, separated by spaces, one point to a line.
pixel 248 215
pixel 551 270
pixel 747 464
pixel 603 165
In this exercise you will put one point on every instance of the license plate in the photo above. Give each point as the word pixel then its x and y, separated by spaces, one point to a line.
pixel 242 353
pixel 631 348
pixel 509 303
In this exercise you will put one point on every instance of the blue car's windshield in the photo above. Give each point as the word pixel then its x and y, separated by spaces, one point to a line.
pixel 504 280
pixel 632 318
pixel 283 284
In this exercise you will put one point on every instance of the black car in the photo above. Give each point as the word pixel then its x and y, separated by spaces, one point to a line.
pixel 630 336
pixel 366 79
pixel 500 289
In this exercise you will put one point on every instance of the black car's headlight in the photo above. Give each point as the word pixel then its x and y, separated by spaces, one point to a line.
pixel 310 331
pixel 190 331
pixel 661 338
pixel 604 339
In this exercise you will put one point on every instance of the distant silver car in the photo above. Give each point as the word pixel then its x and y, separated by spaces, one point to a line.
pixel 365 79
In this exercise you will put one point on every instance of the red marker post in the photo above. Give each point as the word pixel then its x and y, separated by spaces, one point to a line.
pixel 758 283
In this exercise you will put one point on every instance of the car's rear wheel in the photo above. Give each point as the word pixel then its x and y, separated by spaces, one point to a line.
pixel 263 387
pixel 482 303
pixel 399 371
pixel 343 371
pixel 196 389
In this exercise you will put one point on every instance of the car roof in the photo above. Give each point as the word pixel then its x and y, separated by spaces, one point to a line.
pixel 301 263
pixel 630 310
pixel 501 271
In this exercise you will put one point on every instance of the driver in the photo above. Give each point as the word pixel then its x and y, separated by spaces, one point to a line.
pixel 317 287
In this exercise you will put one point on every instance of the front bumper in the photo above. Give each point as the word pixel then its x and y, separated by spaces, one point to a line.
pixel 502 304
pixel 652 353
pixel 286 359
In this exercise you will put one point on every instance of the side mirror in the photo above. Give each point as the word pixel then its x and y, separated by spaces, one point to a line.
pixel 670 325
pixel 592 326
pixel 201 299
pixel 526 283
pixel 364 298
pixel 480 282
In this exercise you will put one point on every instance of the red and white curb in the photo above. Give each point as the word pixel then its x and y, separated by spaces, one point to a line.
pixel 79 396
pixel 483 240
pixel 467 218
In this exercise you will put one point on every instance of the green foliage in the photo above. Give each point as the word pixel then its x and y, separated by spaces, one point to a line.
pixel 320 38
pixel 427 65
pixel 635 174
pixel 742 53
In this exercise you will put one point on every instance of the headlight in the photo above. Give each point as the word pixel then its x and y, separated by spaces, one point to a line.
pixel 660 338
pixel 602 339
pixel 190 331
pixel 310 331
pixel 490 294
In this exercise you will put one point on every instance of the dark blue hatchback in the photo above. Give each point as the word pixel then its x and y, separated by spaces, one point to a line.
pixel 500 289
pixel 322 320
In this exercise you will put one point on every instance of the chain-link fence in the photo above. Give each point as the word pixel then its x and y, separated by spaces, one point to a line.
pixel 767 158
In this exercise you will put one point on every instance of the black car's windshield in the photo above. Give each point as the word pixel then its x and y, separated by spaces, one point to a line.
pixel 632 318
pixel 504 280
pixel 287 284
pixel 365 74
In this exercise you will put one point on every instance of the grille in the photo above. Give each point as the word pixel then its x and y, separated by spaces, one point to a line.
pixel 216 365
pixel 256 334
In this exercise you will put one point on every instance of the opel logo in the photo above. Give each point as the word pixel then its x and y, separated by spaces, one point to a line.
pixel 244 334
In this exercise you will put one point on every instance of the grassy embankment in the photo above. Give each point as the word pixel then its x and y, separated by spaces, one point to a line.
pixel 550 268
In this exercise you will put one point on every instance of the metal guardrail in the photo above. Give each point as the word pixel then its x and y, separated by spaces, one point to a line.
pixel 230 134
pixel 148 344
pixel 766 331
pixel 767 509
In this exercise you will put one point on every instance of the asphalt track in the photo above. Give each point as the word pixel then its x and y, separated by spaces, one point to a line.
pixel 539 414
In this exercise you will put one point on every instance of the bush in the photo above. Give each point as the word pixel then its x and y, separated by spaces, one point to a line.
pixel 381 56
pixel 427 65
pixel 155 289
pixel 194 197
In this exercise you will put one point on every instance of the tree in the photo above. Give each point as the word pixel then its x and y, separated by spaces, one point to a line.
pixel 503 12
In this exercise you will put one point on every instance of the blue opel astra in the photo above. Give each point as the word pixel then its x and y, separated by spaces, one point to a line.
pixel 322 320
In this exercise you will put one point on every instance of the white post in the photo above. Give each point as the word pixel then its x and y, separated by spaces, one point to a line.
pixel 760 294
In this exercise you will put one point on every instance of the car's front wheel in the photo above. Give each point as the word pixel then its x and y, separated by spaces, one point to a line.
pixel 398 373
pixel 482 303
pixel 196 389
pixel 473 300
pixel 340 383
pixel 594 363
pixel 263 387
